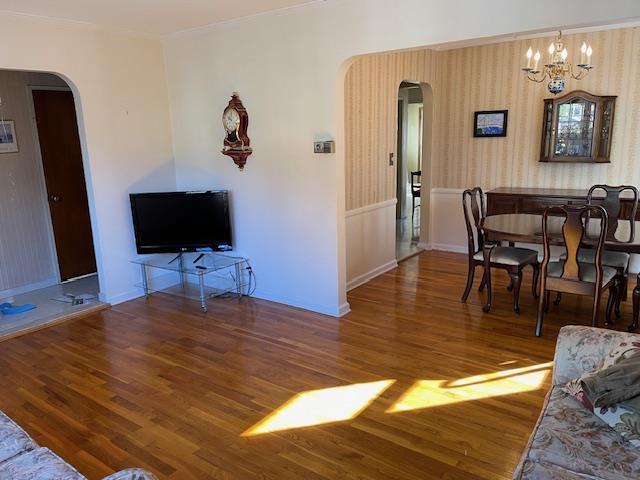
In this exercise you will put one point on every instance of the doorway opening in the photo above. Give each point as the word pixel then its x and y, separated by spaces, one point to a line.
pixel 409 162
pixel 46 240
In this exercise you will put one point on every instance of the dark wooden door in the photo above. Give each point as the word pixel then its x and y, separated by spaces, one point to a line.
pixel 64 176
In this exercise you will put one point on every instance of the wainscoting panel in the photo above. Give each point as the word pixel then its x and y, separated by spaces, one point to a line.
pixel 371 242
pixel 371 234
pixel 448 232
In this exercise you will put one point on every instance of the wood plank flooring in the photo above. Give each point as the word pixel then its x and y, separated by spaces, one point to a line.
pixel 162 386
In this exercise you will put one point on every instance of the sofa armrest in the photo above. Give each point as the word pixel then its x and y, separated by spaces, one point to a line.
pixel 132 474
pixel 583 349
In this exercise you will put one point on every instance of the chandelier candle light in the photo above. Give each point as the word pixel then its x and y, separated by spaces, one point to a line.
pixel 557 67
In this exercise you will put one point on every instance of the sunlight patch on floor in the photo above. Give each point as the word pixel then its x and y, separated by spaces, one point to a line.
pixel 434 393
pixel 317 407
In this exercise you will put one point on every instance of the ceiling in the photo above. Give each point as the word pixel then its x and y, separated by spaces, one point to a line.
pixel 155 17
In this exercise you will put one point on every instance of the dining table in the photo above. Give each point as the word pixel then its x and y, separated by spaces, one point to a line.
pixel 527 228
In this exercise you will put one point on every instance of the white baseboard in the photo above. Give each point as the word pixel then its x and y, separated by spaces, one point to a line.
pixel 425 246
pixel 443 247
pixel 365 277
pixel 330 310
pixel 344 309
pixel 10 292
pixel 157 280
pixel 124 296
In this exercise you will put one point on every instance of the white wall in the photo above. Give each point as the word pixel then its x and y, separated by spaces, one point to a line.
pixel 27 259
pixel 288 67
pixel 119 84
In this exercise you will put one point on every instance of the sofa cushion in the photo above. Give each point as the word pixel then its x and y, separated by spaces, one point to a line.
pixel 624 421
pixel 545 471
pixel 131 474
pixel 572 438
pixel 38 464
pixel 13 439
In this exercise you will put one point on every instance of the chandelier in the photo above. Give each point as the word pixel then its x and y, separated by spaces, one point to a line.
pixel 557 68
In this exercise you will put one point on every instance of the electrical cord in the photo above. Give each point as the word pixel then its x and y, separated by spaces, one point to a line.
pixel 253 283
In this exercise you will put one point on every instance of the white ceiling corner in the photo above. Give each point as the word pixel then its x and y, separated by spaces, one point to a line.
pixel 151 17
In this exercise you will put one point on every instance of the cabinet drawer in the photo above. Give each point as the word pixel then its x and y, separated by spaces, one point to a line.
pixel 499 204
pixel 537 205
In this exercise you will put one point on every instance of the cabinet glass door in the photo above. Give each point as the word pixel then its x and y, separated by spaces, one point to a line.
pixel 574 137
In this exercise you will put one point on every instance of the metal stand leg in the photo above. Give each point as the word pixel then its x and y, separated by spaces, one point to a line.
pixel 181 260
pixel 239 280
pixel 145 282
pixel 203 298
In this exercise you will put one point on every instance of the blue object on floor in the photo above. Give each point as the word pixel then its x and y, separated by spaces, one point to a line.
pixel 10 309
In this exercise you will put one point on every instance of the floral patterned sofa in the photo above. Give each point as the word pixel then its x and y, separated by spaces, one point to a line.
pixel 568 441
pixel 22 459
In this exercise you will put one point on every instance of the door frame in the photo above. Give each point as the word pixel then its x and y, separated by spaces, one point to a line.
pixel 426 227
pixel 401 152
pixel 34 131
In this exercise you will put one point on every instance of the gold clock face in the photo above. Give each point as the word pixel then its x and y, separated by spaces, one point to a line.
pixel 231 119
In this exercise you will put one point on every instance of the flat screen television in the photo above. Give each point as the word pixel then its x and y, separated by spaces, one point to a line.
pixel 175 222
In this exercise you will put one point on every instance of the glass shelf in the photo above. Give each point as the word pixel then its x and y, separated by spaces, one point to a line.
pixel 211 261
pixel 193 275
pixel 170 284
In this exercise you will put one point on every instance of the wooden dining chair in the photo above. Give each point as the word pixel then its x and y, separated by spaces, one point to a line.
pixel 416 188
pixel 613 205
pixel 570 275
pixel 511 259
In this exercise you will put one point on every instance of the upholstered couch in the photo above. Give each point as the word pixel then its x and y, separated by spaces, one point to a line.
pixel 568 441
pixel 22 459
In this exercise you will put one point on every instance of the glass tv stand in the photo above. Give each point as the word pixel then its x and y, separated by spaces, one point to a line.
pixel 198 276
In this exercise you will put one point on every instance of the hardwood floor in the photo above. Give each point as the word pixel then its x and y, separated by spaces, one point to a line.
pixel 162 386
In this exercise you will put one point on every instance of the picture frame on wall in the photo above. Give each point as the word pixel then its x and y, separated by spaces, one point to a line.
pixel 490 123
pixel 8 138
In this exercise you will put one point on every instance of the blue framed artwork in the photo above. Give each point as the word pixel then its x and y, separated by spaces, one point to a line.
pixel 8 140
pixel 490 123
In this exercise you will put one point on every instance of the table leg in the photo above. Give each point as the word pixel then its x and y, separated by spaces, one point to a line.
pixel 181 263
pixel 145 282
pixel 239 280
pixel 203 298
pixel 486 252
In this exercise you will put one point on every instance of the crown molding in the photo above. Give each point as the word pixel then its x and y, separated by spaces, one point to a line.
pixel 66 22
pixel 543 33
pixel 278 12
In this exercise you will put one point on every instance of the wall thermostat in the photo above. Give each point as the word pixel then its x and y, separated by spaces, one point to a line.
pixel 324 147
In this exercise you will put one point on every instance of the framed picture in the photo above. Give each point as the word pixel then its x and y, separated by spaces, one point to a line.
pixel 8 139
pixel 491 123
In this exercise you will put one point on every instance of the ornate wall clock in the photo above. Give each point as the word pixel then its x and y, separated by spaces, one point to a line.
pixel 236 121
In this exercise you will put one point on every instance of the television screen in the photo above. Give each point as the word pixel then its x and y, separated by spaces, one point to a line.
pixel 176 222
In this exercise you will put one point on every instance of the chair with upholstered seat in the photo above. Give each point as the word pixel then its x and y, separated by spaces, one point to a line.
pixel 570 275
pixel 511 259
pixel 612 203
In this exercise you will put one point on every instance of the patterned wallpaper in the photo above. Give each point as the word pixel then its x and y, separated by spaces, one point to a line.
pixel 371 96
pixel 25 247
pixel 486 78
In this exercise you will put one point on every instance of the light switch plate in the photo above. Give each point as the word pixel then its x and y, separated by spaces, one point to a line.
pixel 324 147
